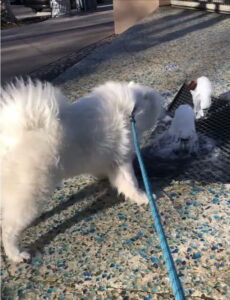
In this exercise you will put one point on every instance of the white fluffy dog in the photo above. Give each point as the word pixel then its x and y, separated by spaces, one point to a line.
pixel 201 96
pixel 182 131
pixel 44 139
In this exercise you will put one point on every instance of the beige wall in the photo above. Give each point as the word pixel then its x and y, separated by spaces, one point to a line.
pixel 129 12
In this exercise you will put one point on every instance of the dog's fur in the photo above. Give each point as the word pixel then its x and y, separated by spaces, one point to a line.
pixel 44 139
pixel 201 96
pixel 182 132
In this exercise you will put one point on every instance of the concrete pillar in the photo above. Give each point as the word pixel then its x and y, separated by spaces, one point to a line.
pixel 165 2
pixel 129 12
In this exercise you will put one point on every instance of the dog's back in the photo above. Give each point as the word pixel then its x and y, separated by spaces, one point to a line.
pixel 97 129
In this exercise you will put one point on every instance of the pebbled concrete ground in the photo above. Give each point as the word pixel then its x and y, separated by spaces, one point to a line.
pixel 91 244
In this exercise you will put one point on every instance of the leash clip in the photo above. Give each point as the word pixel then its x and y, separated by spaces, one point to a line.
pixel 132 116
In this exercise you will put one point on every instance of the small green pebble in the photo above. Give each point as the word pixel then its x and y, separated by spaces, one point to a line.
pixel 215 200
pixel 196 255
pixel 149 284
pixel 154 259
pixel 172 195
pixel 121 217
pixel 211 191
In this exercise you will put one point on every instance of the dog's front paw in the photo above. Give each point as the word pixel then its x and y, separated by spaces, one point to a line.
pixel 200 114
pixel 141 198
pixel 20 257
pixel 25 256
pixel 154 196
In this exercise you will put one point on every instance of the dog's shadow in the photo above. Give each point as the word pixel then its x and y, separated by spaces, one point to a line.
pixel 98 205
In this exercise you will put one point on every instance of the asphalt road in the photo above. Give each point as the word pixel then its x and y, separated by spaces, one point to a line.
pixel 28 48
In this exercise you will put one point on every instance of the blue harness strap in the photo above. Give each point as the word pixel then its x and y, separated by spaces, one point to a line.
pixel 175 282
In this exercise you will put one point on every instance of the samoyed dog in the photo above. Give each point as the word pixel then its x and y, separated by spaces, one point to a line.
pixel 201 96
pixel 182 132
pixel 44 139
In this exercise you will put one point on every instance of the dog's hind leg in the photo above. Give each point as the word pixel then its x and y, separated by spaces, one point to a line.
pixel 124 180
pixel 23 200
pixel 12 227
pixel 19 210
pixel 20 207
pixel 29 176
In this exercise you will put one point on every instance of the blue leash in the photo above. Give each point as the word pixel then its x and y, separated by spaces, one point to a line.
pixel 175 282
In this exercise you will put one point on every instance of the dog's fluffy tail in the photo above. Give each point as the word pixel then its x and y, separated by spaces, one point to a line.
pixel 28 106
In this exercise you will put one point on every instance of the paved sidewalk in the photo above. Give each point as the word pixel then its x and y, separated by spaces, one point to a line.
pixel 28 48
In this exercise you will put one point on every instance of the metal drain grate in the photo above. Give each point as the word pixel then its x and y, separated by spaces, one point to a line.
pixel 204 168
pixel 215 124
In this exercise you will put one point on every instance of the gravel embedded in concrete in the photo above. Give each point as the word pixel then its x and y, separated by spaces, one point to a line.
pixel 91 244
